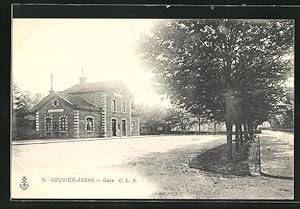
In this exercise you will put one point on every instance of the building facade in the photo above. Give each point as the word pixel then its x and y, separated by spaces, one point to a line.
pixel 101 109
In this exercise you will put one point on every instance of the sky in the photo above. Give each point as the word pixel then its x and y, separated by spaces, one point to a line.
pixel 103 48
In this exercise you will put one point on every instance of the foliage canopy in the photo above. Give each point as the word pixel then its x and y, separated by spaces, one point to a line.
pixel 195 62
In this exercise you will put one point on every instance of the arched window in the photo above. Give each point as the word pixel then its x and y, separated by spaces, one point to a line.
pixel 89 123
pixel 113 105
pixel 123 107
pixel 63 123
pixel 133 126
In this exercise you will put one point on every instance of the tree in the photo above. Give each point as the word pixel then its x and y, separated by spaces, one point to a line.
pixel 206 66
pixel 180 119
pixel 32 99
pixel 151 119
pixel 284 117
pixel 19 110
pixel 22 102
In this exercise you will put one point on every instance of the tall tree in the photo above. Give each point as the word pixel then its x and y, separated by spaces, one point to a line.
pixel 199 64
pixel 19 110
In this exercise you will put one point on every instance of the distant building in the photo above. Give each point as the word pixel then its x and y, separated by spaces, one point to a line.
pixel 265 125
pixel 101 109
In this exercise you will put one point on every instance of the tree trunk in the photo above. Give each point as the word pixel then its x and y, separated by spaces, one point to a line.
pixel 241 134
pixel 229 140
pixel 255 127
pixel 245 132
pixel 182 128
pixel 250 125
pixel 199 121
pixel 237 138
pixel 215 128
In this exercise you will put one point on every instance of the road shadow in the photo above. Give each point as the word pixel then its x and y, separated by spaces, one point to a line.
pixel 215 161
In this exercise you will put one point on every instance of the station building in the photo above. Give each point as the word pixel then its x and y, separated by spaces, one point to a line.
pixel 100 109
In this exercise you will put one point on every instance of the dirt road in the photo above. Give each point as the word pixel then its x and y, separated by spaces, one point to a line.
pixel 148 167
pixel 46 165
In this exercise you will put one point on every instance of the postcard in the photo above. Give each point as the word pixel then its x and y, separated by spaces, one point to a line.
pixel 156 108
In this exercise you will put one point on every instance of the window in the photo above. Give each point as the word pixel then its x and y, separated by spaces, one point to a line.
pixel 55 103
pixel 133 126
pixel 123 107
pixel 63 123
pixel 90 124
pixel 48 123
pixel 113 105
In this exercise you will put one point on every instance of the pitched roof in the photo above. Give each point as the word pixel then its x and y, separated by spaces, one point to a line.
pixel 77 101
pixel 73 100
pixel 71 97
pixel 99 86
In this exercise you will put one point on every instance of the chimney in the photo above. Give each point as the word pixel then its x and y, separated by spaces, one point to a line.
pixel 51 84
pixel 82 79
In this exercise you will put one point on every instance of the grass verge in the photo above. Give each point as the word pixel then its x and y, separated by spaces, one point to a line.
pixel 216 161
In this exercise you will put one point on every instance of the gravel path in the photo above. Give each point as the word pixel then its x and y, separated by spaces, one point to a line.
pixel 174 178
pixel 277 153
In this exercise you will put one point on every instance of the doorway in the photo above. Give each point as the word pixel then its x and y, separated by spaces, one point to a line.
pixel 123 127
pixel 55 129
pixel 114 127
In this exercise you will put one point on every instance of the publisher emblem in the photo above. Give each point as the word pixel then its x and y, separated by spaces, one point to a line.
pixel 24 184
